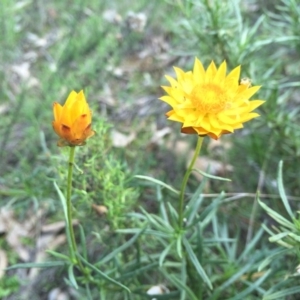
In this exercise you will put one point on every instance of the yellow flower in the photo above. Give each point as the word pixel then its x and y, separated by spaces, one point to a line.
pixel 209 102
pixel 72 121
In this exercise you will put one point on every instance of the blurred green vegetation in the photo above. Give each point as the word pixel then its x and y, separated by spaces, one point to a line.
pixel 48 48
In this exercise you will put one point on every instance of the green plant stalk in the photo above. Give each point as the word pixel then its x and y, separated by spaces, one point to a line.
pixel 185 180
pixel 73 245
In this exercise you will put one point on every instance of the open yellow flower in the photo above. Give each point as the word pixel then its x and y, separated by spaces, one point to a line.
pixel 209 102
pixel 72 121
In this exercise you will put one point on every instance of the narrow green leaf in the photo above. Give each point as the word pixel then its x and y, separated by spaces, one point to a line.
pixel 183 278
pixel 64 205
pixel 63 202
pixel 58 255
pixel 282 294
pixel 121 248
pixel 234 278
pixel 88 292
pixel 138 216
pixel 179 245
pixel 162 207
pixel 280 242
pixel 173 215
pixel 158 182
pixel 164 254
pixel 282 191
pixel 271 257
pixel 72 277
pixel 252 287
pixel 180 285
pixel 249 246
pixel 147 231
pixel 196 263
pixel 136 271
pixel 278 237
pixel 211 176
pixel 158 222
pixel 277 217
pixel 294 236
pixel 48 264
pixel 207 214
pixel 103 275
pixel 83 241
pixel 193 206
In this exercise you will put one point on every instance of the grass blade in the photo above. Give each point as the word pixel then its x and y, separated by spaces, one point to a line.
pixel 156 181
pixel 282 192
pixel 196 263
pixel 103 275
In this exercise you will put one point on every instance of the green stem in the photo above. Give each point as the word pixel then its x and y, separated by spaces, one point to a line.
pixel 72 242
pixel 73 245
pixel 185 180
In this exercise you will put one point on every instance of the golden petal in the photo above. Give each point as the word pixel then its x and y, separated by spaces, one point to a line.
pixel 78 108
pixel 214 121
pixel 56 126
pixel 174 117
pixel 198 71
pixel 188 130
pixel 175 93
pixel 80 125
pixel 187 85
pixel 228 120
pixel 232 78
pixel 201 131
pixel 248 93
pixel 205 124
pixel 248 117
pixel 170 113
pixel 179 73
pixel 210 72
pixel 170 100
pixel 57 109
pixel 66 117
pixel 221 73
pixel 256 103
pixel 66 133
pixel 71 99
pixel 173 82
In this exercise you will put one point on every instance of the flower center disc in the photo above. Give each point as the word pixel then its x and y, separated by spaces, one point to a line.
pixel 208 98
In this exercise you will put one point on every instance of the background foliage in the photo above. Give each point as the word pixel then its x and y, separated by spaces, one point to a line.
pixel 118 52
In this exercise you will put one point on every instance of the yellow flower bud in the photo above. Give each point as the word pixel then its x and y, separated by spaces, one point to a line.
pixel 72 121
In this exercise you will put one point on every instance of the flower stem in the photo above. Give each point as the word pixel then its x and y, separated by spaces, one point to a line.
pixel 72 245
pixel 70 230
pixel 185 180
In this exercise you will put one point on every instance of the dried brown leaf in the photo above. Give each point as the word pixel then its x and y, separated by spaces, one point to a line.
pixel 4 108
pixel 58 294
pixel 179 147
pixel 46 242
pixel 100 209
pixel 3 263
pixel 57 226
pixel 121 140
pixel 158 136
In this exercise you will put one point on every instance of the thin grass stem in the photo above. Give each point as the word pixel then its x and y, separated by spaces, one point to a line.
pixel 185 180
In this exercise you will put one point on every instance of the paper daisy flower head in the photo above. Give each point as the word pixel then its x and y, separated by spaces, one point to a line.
pixel 209 102
pixel 72 121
